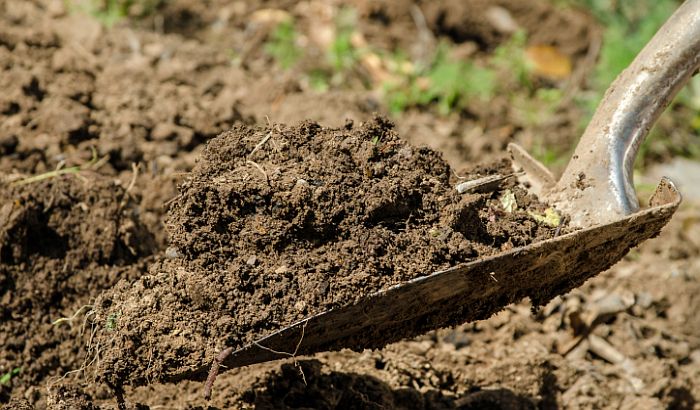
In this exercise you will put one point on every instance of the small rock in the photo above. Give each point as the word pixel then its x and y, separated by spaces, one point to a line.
pixel 172 252
pixel 406 152
pixel 56 8
pixel 695 356
pixel 501 20
pixel 251 261
pixel 685 173
pixel 378 170
pixel 644 300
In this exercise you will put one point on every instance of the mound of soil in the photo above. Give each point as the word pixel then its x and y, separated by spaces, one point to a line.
pixel 61 240
pixel 278 224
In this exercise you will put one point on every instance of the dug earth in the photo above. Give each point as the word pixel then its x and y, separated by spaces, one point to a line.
pixel 276 224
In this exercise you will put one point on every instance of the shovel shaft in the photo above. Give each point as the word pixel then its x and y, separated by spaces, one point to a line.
pixel 597 185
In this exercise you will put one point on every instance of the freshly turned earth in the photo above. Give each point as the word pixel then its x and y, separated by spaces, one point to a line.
pixel 277 224
pixel 62 239
pixel 152 92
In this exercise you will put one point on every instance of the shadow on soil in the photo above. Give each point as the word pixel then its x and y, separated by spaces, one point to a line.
pixel 290 389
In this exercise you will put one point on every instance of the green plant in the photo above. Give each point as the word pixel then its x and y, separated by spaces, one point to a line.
pixel 282 45
pixel 110 12
pixel 61 171
pixel 111 322
pixel 447 82
pixel 5 378
pixel 509 58
pixel 69 320
pixel 342 55
pixel 629 25
pixel 547 155
pixel 532 108
pixel 319 80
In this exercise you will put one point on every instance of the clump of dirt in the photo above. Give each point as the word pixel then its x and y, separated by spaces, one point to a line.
pixel 18 404
pixel 62 241
pixel 288 389
pixel 277 224
pixel 70 398
pixel 79 88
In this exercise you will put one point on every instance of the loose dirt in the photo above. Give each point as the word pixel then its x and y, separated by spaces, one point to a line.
pixel 275 225
pixel 63 240
pixel 153 92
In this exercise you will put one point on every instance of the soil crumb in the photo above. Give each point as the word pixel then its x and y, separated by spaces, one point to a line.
pixel 277 224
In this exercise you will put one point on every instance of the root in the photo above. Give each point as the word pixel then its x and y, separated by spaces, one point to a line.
pixel 301 339
pixel 265 139
pixel 273 128
pixel 262 171
pixel 292 355
pixel 132 183
pixel 70 320
pixel 62 171
pixel 134 176
pixel 261 143
pixel 90 358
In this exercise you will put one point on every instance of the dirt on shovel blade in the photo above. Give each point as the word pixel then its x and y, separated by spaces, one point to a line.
pixel 277 224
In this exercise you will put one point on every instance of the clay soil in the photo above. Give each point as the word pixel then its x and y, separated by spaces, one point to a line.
pixel 189 194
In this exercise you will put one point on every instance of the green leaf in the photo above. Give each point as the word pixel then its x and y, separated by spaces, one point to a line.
pixel 5 378
pixel 282 45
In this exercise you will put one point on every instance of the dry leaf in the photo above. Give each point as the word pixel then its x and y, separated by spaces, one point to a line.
pixel 550 217
pixel 508 201
pixel 548 62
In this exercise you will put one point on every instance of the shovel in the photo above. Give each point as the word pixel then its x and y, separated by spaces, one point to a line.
pixel 596 191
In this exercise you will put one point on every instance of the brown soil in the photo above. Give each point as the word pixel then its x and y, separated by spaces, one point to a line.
pixel 152 92
pixel 62 242
pixel 275 225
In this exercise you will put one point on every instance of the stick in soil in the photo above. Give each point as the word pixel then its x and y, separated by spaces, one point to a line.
pixel 214 371
pixel 219 359
pixel 264 140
